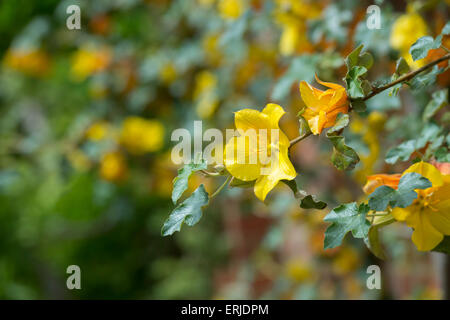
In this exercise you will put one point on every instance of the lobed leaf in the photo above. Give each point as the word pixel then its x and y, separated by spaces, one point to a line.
pixel 345 218
pixel 180 183
pixel 385 196
pixel 189 212
pixel 420 48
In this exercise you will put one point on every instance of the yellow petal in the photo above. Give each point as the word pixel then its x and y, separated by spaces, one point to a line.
pixel 441 219
pixel 243 171
pixel 316 124
pixel 329 84
pixel 401 214
pixel 425 236
pixel 428 171
pixel 251 119
pixel 281 170
pixel 274 112
pixel 308 94
pixel 443 192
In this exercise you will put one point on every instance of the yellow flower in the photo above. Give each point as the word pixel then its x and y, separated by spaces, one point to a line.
pixel 139 135
pixel 298 270
pixel 322 107
pixel 97 131
pixel 88 61
pixel 293 35
pixel 29 61
pixel 405 31
pixel 266 172
pixel 369 130
pixel 429 214
pixel 292 16
pixel 168 73
pixel 231 9
pixel 205 94
pixel 113 167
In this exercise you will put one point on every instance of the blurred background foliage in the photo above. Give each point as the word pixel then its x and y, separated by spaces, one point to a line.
pixel 85 163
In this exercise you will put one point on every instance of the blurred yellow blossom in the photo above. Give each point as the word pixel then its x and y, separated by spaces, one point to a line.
pixel 140 135
pixel 29 61
pixel 298 270
pixel 87 61
pixel 405 31
pixel 205 94
pixel 280 169
pixel 231 9
pixel 292 15
pixel 322 107
pixel 113 167
pixel 369 129
pixel 346 261
pixel 98 131
pixel 168 73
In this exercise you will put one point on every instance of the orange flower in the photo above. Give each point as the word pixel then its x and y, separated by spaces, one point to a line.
pixel 322 107
pixel 377 180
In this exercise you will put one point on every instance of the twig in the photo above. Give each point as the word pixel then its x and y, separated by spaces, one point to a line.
pixel 406 77
pixel 298 139
pixel 228 180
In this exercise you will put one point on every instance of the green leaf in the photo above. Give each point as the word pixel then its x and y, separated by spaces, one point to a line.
pixel 420 48
pixel 345 218
pixel 189 212
pixel 343 157
pixel 404 150
pixel 342 120
pixel 442 155
pixel 355 58
pixel 439 100
pixel 180 183
pixel 352 59
pixel 304 127
pixel 358 105
pixel 443 246
pixel 402 197
pixel 372 241
pixel 309 202
pixel 425 79
pixel 355 86
pixel 446 29
pixel 401 68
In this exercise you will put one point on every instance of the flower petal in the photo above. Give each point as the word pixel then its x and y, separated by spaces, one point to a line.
pixel 243 171
pixel 329 84
pixel 425 235
pixel 401 214
pixel 310 95
pixel 316 124
pixel 428 171
pixel 274 112
pixel 280 170
pixel 251 119
pixel 441 219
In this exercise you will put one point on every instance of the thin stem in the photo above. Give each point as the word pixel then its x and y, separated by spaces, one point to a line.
pixel 298 139
pixel 228 180
pixel 377 214
pixel 445 48
pixel 406 77
pixel 210 173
